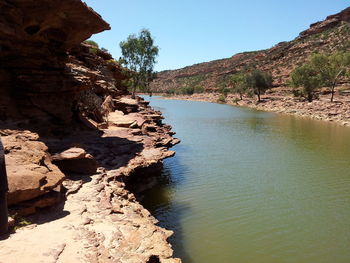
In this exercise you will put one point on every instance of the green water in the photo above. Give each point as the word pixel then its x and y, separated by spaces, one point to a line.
pixel 248 186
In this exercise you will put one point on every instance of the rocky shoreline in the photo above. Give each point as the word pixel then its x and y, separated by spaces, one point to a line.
pixel 75 142
pixel 100 220
pixel 321 109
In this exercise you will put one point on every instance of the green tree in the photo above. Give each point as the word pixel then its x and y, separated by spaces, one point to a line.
pixel 307 77
pixel 139 55
pixel 239 83
pixel 259 81
pixel 331 68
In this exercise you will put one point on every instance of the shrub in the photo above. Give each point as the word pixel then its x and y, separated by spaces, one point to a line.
pixel 236 100
pixel 93 50
pixel 198 89
pixel 222 99
pixel 170 91
pixel 187 90
pixel 91 43
pixel 224 90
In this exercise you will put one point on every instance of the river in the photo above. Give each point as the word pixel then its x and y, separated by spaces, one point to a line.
pixel 248 186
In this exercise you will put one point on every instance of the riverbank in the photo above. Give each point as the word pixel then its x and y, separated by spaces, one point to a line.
pixel 321 109
pixel 99 220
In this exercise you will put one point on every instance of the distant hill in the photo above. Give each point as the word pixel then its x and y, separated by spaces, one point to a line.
pixel 330 35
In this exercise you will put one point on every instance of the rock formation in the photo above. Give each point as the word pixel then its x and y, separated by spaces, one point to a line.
pixel 37 82
pixel 72 138
pixel 329 35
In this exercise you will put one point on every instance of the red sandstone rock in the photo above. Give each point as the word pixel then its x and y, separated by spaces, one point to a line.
pixel 29 168
pixel 75 160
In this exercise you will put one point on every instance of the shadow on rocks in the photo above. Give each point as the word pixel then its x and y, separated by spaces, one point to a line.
pixel 159 201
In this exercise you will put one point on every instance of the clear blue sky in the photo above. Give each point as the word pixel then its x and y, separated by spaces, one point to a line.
pixel 193 31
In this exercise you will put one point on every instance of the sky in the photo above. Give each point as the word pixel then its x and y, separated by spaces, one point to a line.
pixel 194 31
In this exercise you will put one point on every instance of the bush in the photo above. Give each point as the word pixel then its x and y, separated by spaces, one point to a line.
pixel 112 62
pixel 91 43
pixel 222 99
pixel 236 100
pixel 93 50
pixel 198 89
pixel 170 91
pixel 187 90
pixel 223 89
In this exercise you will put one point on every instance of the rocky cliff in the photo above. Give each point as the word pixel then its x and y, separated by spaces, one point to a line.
pixel 73 139
pixel 329 35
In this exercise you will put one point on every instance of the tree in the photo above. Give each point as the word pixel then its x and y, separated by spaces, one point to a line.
pixel 331 68
pixel 307 77
pixel 239 83
pixel 139 55
pixel 259 81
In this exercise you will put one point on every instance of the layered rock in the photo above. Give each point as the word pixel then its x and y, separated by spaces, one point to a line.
pixel 329 23
pixel 30 171
pixel 34 39
pixel 101 221
pixel 75 160
pixel 72 135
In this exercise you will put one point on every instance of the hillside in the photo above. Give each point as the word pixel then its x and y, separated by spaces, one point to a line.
pixel 330 35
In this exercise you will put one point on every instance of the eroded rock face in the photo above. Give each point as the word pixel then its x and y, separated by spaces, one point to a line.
pixel 328 23
pixel 34 39
pixel 57 101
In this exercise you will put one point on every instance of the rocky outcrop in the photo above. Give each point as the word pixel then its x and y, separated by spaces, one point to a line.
pixel 101 221
pixel 328 36
pixel 37 81
pixel 329 23
pixel 72 138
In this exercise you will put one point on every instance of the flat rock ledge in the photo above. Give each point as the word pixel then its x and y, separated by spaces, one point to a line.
pixel 100 220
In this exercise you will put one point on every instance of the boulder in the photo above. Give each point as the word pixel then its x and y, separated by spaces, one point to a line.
pixel 29 168
pixel 118 119
pixel 126 105
pixel 75 160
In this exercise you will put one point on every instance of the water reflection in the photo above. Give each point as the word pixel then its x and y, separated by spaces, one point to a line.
pixel 251 186
pixel 159 200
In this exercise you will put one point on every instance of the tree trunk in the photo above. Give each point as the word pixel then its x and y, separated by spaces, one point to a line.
pixel 136 84
pixel 259 100
pixel 241 96
pixel 332 92
pixel 309 97
pixel 335 83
